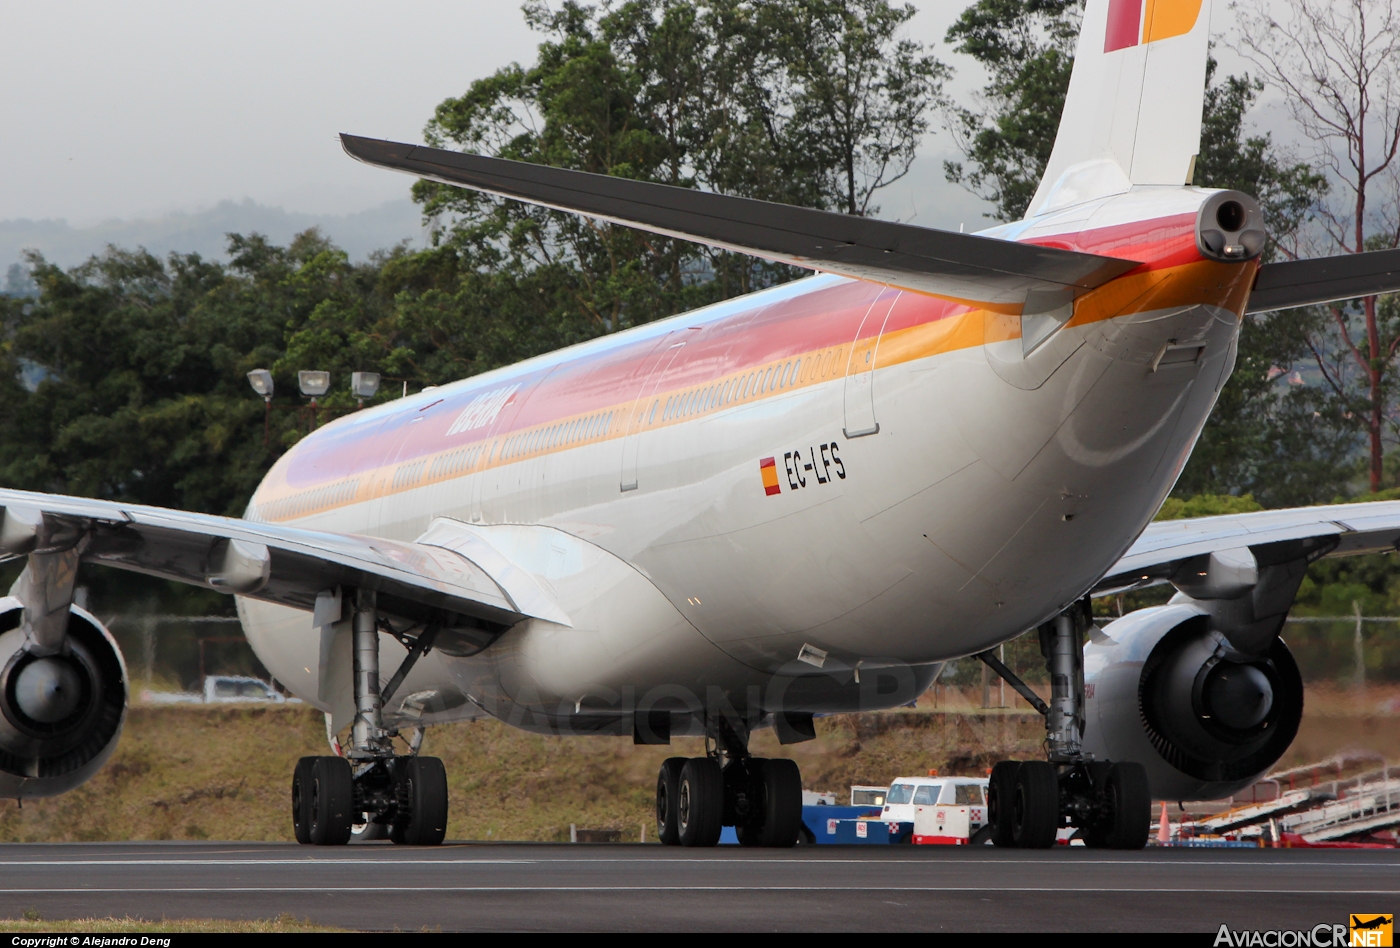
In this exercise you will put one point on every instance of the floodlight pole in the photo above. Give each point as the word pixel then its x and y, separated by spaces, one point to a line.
pixel 267 420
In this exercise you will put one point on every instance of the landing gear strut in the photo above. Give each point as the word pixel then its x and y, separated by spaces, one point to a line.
pixel 405 796
pixel 760 797
pixel 1029 801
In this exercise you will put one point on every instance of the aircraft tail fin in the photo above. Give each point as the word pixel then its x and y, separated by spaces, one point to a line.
pixel 1133 112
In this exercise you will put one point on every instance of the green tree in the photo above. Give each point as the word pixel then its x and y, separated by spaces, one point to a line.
pixel 1027 49
pixel 813 102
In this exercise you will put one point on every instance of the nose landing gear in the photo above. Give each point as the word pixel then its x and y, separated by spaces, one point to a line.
pixel 1028 802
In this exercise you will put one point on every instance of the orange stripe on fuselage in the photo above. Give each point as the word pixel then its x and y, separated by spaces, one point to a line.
pixel 734 354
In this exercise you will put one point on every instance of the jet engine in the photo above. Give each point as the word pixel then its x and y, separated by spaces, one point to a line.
pixel 1165 689
pixel 60 714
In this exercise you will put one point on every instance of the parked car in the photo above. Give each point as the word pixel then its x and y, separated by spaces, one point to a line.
pixel 223 689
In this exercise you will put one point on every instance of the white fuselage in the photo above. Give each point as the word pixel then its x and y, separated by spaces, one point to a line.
pixel 938 489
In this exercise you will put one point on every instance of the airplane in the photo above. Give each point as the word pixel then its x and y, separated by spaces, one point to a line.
pixel 798 502
pixel 1377 921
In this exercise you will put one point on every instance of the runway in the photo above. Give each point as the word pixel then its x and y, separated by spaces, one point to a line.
pixel 540 887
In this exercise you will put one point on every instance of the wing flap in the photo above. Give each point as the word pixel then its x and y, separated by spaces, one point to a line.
pixel 1291 283
pixel 961 266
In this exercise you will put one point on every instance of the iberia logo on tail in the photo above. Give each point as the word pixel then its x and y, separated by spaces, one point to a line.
pixel 1134 22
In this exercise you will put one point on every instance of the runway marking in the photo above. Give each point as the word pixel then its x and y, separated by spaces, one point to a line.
pixel 1059 890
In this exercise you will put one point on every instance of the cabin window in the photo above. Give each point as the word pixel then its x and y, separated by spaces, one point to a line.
pixel 928 793
pixel 968 794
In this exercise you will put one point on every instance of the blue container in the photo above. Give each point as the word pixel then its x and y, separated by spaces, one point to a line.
pixel 840 824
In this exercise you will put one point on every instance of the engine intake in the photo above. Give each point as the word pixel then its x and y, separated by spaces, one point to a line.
pixel 60 715
pixel 1206 720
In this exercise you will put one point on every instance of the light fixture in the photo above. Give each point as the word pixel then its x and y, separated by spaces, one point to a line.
pixel 261 380
pixel 313 382
pixel 364 384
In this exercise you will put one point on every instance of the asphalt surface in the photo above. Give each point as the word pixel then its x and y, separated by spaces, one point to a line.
pixel 477 886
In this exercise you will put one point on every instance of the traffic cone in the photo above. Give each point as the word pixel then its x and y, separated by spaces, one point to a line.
pixel 1164 827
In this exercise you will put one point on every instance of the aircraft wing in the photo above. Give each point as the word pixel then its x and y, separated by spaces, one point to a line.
pixel 1292 283
pixel 1166 546
pixel 285 565
pixel 960 266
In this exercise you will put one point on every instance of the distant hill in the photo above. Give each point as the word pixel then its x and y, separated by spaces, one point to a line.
pixel 203 232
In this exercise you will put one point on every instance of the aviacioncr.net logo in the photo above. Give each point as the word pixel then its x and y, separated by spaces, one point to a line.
pixel 1319 936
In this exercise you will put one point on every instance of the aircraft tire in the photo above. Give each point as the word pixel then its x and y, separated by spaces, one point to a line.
pixel 1130 802
pixel 1001 802
pixel 668 788
pixel 422 791
pixel 782 803
pixel 332 795
pixel 700 802
pixel 301 800
pixel 1036 811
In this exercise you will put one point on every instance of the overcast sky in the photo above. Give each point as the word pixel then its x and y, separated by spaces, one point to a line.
pixel 140 108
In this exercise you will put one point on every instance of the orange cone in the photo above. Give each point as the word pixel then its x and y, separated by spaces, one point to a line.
pixel 1164 827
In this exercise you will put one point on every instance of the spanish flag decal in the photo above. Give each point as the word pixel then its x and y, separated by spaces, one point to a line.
pixel 1131 22
pixel 769 470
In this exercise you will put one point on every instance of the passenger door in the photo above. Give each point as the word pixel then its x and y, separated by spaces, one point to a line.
pixel 860 367
pixel 643 408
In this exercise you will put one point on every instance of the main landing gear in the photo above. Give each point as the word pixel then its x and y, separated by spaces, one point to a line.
pixel 1029 801
pixel 403 796
pixel 761 798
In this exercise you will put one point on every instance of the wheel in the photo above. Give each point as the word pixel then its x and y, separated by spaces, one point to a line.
pixel 421 788
pixel 668 791
pixel 1001 802
pixel 332 795
pixel 301 800
pixel 780 802
pixel 1130 803
pixel 700 802
pixel 1036 813
pixel 983 836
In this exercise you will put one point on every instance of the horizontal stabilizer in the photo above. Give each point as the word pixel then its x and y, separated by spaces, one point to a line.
pixel 1324 280
pixel 960 266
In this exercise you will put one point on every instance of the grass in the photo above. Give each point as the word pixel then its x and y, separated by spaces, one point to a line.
pixel 224 772
pixel 282 923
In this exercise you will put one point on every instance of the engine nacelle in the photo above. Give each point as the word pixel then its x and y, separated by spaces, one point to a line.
pixel 60 716
pixel 1163 689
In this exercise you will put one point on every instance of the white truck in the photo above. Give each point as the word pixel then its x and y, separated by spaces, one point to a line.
pixel 909 795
